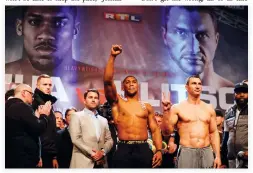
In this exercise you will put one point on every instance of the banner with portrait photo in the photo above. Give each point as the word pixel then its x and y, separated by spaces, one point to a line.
pixel 162 46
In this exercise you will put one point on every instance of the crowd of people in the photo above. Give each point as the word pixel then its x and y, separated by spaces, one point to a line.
pixel 189 134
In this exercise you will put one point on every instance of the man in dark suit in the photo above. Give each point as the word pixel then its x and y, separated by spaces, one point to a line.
pixel 64 143
pixel 42 94
pixel 23 128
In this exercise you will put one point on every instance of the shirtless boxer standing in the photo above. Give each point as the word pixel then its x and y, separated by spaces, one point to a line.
pixel 132 118
pixel 196 124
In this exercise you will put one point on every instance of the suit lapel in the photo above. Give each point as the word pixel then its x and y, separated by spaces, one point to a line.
pixel 90 124
pixel 101 125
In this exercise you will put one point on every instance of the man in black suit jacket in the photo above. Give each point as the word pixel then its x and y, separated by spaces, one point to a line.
pixel 23 128
pixel 64 143
pixel 42 94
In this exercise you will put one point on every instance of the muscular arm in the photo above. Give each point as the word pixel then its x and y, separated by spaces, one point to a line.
pixel 214 134
pixel 155 130
pixel 170 118
pixel 109 86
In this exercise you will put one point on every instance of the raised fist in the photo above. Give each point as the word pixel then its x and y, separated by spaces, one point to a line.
pixel 116 50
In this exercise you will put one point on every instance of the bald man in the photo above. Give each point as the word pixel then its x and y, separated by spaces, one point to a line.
pixel 23 128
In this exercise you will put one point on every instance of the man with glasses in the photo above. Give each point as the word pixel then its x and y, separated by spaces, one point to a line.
pixel 42 94
pixel 23 128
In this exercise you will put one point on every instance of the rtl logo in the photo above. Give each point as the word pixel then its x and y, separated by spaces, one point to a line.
pixel 122 16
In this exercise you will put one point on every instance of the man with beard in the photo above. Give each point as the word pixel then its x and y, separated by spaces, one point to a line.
pixel 195 122
pixel 42 94
pixel 48 33
pixel 132 119
pixel 235 140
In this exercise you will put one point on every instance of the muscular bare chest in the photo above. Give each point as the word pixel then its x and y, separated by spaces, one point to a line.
pixel 130 113
pixel 193 113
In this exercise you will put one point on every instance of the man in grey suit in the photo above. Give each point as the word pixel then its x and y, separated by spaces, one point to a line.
pixel 90 135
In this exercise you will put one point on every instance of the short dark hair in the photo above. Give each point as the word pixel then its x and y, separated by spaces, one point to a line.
pixel 206 9
pixel 219 113
pixel 9 93
pixel 90 90
pixel 73 9
pixel 193 76
pixel 128 77
pixel 69 109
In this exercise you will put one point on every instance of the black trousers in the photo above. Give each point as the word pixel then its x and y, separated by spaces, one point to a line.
pixel 98 166
pixel 21 164
pixel 133 156
pixel 168 161
pixel 47 161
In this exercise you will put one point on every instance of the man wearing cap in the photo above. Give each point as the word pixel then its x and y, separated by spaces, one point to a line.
pixel 235 139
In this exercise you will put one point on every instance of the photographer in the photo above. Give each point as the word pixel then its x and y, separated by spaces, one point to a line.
pixel 106 111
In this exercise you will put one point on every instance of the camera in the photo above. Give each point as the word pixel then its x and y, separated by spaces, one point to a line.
pixel 105 110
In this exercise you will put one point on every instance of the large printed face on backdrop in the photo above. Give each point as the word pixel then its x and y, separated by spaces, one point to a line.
pixel 48 34
pixel 150 61
pixel 191 39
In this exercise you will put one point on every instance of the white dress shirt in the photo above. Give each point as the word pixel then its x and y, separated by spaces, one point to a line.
pixel 96 122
